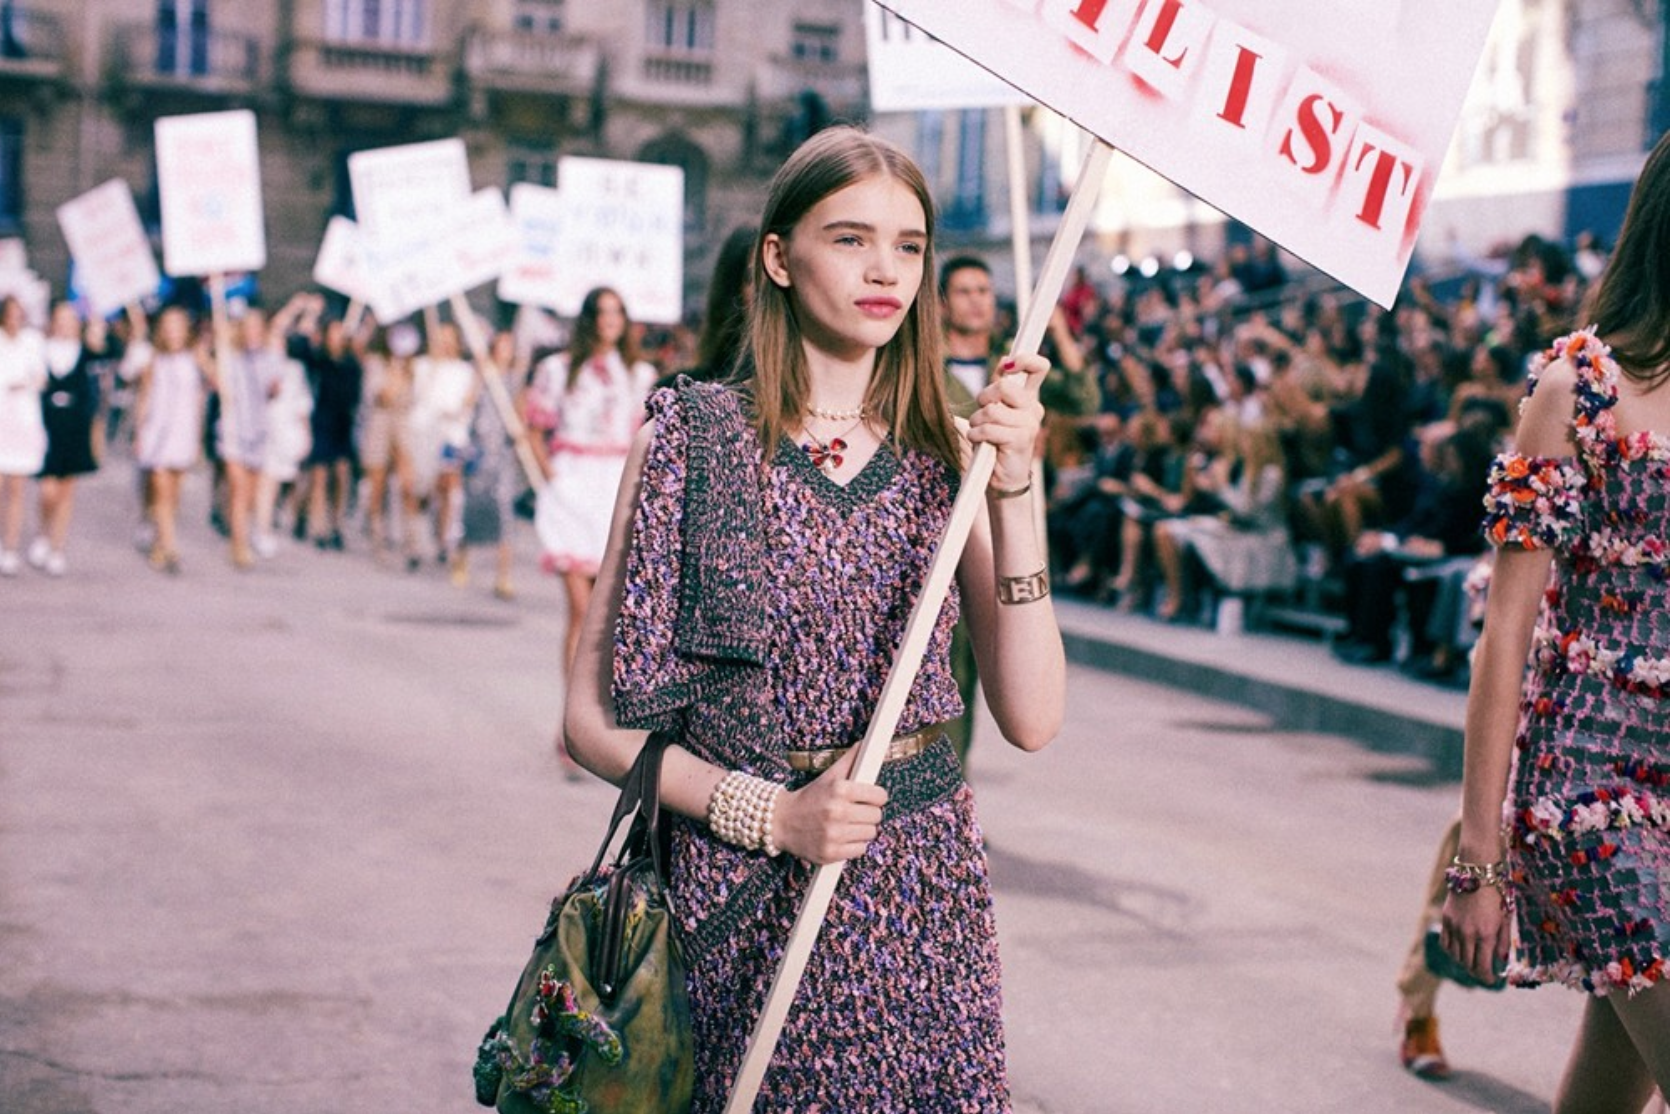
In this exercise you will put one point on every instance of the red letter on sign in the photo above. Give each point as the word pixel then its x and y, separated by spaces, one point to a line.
pixel 1235 103
pixel 1163 23
pixel 1384 173
pixel 1318 135
pixel 1097 27
pixel 1374 201
pixel 1163 45
pixel 1089 13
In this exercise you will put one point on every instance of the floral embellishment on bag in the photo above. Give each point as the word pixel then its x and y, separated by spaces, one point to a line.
pixel 562 1033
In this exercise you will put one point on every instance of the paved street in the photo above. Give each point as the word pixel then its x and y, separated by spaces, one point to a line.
pixel 278 842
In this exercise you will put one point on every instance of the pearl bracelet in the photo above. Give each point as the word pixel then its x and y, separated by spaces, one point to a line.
pixel 742 810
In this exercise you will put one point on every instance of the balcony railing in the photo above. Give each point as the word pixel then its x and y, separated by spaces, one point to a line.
pixel 783 78
pixel 370 72
pixel 187 58
pixel 533 62
pixel 678 69
pixel 31 42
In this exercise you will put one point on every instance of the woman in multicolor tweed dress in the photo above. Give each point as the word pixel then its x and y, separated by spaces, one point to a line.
pixel 767 545
pixel 1563 873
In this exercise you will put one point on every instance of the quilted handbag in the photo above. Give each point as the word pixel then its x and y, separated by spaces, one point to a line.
pixel 600 1019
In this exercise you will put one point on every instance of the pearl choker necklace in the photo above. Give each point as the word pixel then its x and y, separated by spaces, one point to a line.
pixel 836 415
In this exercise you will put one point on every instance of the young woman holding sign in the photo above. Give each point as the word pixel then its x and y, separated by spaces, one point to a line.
pixel 1573 886
pixel 767 544
pixel 172 396
pixel 23 374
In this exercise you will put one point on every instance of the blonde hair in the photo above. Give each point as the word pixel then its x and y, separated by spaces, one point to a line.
pixel 907 390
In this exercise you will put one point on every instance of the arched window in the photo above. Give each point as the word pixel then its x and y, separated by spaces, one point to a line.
pixel 675 150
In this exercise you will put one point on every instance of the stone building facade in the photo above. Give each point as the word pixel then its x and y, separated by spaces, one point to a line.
pixel 721 88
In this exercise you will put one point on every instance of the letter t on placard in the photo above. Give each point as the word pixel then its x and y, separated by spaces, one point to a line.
pixel 1097 27
pixel 1382 179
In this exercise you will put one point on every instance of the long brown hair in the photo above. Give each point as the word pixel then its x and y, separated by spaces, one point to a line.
pixel 1630 305
pixel 907 389
pixel 586 340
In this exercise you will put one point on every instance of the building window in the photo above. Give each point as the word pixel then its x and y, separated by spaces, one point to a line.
pixel 397 23
pixel 11 175
pixel 967 210
pixel 815 42
pixel 183 37
pixel 539 17
pixel 682 26
pixel 930 144
pixel 536 167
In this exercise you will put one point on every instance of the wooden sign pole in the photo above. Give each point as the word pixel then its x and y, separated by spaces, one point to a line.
pixel 220 330
pixel 496 392
pixel 872 751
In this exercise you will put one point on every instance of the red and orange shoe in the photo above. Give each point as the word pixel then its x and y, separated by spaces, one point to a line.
pixel 1421 1053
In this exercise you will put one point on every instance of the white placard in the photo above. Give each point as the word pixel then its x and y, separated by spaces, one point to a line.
pixel 458 250
pixel 340 265
pixel 533 276
pixel 622 225
pixel 910 71
pixel 1320 123
pixel 209 180
pixel 113 261
pixel 399 191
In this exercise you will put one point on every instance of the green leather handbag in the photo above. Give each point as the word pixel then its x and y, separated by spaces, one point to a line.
pixel 600 1019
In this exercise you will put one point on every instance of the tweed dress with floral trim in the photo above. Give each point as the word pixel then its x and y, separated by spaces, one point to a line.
pixel 1588 819
pixel 760 612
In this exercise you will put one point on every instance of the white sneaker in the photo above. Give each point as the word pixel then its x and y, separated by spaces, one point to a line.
pixel 10 563
pixel 265 546
pixel 55 564
pixel 39 549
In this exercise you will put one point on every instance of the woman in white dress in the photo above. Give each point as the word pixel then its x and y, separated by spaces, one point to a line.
pixel 173 378
pixel 22 427
pixel 584 406
pixel 443 398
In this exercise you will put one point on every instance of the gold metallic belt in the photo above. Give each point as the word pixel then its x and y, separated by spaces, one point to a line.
pixel 902 746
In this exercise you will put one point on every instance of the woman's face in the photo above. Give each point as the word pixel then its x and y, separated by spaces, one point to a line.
pixel 65 323
pixel 611 322
pixel 173 330
pixel 11 315
pixel 853 265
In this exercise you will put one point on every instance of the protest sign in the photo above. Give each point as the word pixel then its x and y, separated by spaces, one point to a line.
pixel 114 264
pixel 458 249
pixel 911 72
pixel 399 191
pixel 1321 125
pixel 209 181
pixel 622 225
pixel 533 275
pixel 341 266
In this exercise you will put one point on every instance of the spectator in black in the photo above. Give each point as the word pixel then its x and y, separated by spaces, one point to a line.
pixel 1443 523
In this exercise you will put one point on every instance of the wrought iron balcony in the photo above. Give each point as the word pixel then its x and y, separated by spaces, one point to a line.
pixel 370 72
pixel 195 59
pixel 526 61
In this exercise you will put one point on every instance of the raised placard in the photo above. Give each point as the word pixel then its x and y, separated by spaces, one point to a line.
pixel 400 190
pixel 209 183
pixel 113 260
pixel 910 71
pixel 532 277
pixel 622 226
pixel 1320 123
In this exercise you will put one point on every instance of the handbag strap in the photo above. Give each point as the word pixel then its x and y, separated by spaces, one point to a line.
pixel 640 798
